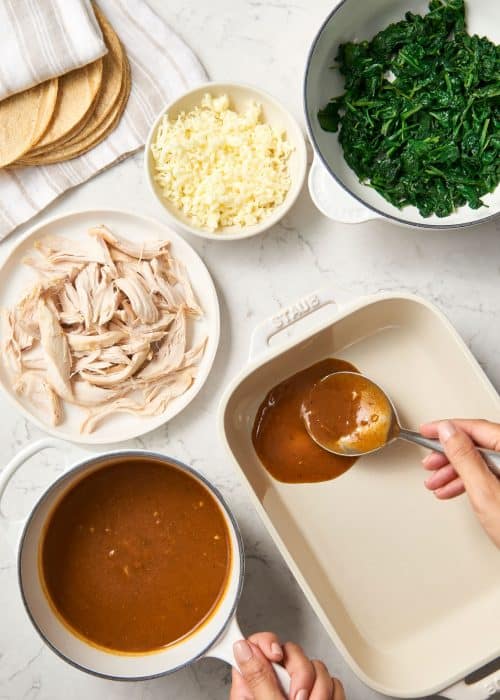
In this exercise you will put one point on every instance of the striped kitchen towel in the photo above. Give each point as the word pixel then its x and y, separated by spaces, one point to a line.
pixel 41 39
pixel 162 67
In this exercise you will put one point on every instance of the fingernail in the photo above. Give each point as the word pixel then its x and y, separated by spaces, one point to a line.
pixel 302 694
pixel 427 459
pixel 446 430
pixel 242 651
pixel 276 650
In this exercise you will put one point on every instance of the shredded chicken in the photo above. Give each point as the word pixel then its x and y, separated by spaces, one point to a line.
pixel 34 386
pixel 10 348
pixel 48 268
pixel 154 403
pixel 34 358
pixel 144 251
pixel 170 351
pixel 56 349
pixel 79 342
pixel 116 374
pixel 106 327
pixel 141 300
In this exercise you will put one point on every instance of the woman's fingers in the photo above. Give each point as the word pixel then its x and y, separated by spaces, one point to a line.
pixel 459 440
pixel 452 488
pixel 441 477
pixel 461 468
pixel 435 460
pixel 257 672
pixel 324 685
pixel 239 688
pixel 310 680
pixel 429 430
pixel 467 461
pixel 301 670
pixel 444 480
pixel 338 690
pixel 269 644
pixel 483 432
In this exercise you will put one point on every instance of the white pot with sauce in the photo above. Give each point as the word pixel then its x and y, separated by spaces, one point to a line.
pixel 213 637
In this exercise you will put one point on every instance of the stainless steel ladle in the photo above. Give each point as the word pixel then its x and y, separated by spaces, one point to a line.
pixel 394 431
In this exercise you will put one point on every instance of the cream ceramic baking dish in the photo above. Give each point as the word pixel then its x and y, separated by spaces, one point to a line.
pixel 407 587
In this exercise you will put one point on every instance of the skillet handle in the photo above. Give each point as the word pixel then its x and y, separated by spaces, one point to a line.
pixel 483 689
pixel 303 307
pixel 223 650
pixel 333 201
pixel 13 528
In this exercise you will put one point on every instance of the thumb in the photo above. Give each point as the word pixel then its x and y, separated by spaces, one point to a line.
pixel 257 671
pixel 468 463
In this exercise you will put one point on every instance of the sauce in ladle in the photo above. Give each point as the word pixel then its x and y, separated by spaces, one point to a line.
pixel 279 433
pixel 348 414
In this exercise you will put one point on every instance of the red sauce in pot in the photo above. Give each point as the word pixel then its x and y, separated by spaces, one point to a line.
pixel 135 555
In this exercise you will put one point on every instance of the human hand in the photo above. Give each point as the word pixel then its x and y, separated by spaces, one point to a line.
pixel 256 680
pixel 462 468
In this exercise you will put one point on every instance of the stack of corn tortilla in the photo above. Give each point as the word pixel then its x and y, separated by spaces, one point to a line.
pixel 67 116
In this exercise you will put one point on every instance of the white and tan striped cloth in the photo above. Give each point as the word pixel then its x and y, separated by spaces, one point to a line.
pixel 162 65
pixel 41 39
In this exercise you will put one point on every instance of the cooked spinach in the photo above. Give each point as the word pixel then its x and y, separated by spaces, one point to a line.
pixel 420 116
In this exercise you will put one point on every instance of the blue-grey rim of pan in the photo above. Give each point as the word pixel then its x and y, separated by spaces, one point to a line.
pixel 219 498
pixel 317 150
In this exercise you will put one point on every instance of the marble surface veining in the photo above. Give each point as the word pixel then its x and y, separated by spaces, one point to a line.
pixel 262 42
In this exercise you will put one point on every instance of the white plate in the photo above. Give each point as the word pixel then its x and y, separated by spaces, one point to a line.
pixel 15 278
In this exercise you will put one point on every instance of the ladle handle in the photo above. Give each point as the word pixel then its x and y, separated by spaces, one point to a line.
pixel 491 457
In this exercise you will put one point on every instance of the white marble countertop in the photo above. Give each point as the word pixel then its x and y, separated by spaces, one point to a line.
pixel 262 42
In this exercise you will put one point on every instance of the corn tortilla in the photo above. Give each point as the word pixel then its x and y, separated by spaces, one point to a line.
pixel 108 107
pixel 77 93
pixel 47 109
pixel 24 117
pixel 85 141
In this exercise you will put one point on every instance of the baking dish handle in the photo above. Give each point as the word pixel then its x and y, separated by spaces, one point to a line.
pixel 12 529
pixel 305 306
pixel 483 689
pixel 333 200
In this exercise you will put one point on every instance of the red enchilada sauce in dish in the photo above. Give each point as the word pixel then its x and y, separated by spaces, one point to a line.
pixel 279 434
pixel 135 555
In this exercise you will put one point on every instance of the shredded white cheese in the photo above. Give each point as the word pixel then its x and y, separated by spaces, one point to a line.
pixel 219 167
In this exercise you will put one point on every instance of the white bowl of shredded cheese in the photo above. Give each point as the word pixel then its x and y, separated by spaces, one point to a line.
pixel 225 161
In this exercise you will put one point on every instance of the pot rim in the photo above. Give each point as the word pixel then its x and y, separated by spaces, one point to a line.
pixel 81 466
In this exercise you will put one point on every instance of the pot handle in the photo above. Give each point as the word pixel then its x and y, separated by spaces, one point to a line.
pixel 223 650
pixel 483 689
pixel 307 305
pixel 13 528
pixel 333 200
